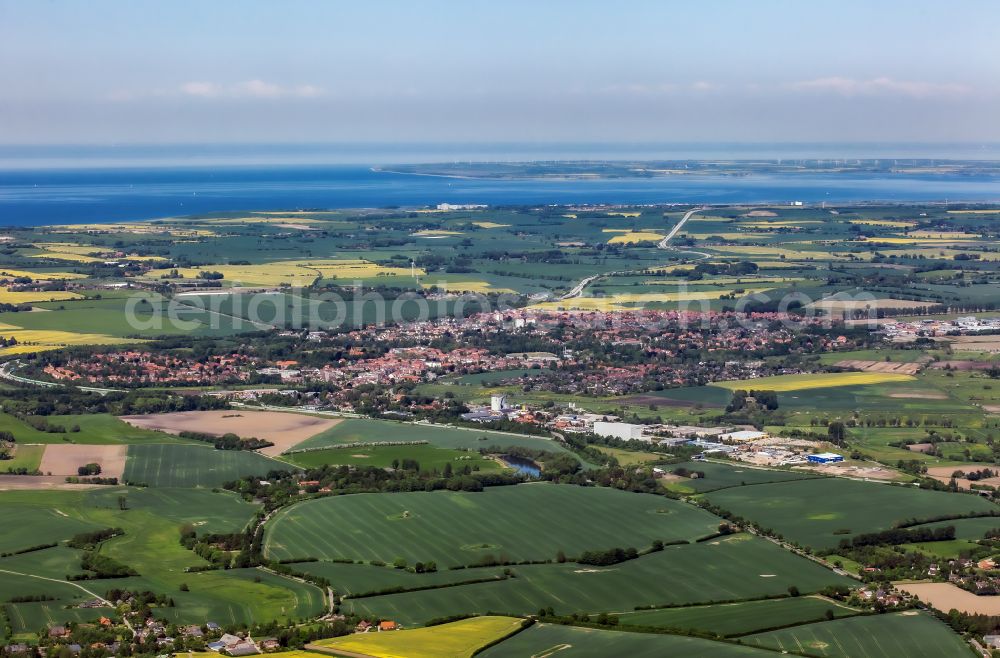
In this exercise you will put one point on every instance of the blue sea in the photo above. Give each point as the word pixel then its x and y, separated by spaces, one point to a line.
pixel 58 185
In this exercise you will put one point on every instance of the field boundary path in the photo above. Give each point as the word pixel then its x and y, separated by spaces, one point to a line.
pixel 74 584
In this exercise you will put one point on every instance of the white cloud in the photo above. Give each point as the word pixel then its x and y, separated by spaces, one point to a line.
pixel 640 89
pixel 203 89
pixel 880 85
pixel 255 88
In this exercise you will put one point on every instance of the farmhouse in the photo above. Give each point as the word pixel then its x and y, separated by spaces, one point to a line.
pixel 825 458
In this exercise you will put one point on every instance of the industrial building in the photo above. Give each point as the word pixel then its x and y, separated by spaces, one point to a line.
pixel 743 435
pixel 626 431
pixel 825 458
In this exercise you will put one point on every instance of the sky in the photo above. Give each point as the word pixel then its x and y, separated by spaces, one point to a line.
pixel 247 71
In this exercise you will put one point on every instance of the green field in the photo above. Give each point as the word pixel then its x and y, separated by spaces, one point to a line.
pixel 167 465
pixel 549 640
pixel 943 550
pixel 351 579
pixel 365 430
pixel 152 523
pixel 95 429
pixel 821 512
pixel 37 525
pixel 523 522
pixel 733 568
pixel 632 457
pixel 34 617
pixel 108 316
pixel 910 634
pixel 967 528
pixel 722 476
pixel 731 619
pixel 429 457
pixel 27 456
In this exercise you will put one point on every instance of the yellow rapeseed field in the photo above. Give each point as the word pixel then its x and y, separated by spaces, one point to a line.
pixel 27 296
pixel 784 383
pixel 138 227
pixel 459 639
pixel 631 237
pixel 891 223
pixel 80 253
pixel 39 340
pixel 296 212
pixel 944 235
pixel 291 272
pixel 945 253
pixel 490 225
pixel 6 272
pixel 777 252
pixel 276 218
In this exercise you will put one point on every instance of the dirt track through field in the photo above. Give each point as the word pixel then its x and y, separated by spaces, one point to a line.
pixel 32 482
pixel 63 459
pixel 284 430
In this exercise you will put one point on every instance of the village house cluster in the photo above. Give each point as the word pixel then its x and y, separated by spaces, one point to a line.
pixel 597 353
pixel 140 367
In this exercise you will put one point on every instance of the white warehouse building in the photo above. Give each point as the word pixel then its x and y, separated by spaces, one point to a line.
pixel 625 431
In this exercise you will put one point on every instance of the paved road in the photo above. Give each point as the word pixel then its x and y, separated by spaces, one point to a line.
pixel 7 372
pixel 578 289
pixel 662 244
